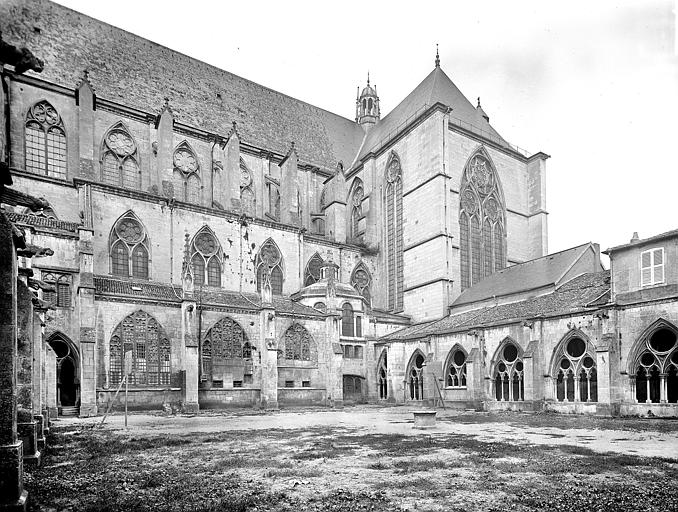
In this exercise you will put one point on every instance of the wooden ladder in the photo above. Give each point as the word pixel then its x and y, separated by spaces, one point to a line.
pixel 439 397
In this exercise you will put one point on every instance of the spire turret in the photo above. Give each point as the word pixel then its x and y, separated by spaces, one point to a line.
pixel 367 105
pixel 437 57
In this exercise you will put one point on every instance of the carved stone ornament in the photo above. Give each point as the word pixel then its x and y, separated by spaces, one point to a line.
pixel 481 175
pixel 468 202
pixel 130 231
pixel 358 196
pixel 393 172
pixel 492 209
pixel 120 143
pixel 245 178
pixel 45 113
pixel 206 244
pixel 185 161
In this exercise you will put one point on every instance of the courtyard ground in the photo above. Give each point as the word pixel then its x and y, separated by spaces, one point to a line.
pixel 358 459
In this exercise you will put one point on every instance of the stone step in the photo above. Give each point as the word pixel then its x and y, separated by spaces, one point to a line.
pixel 69 411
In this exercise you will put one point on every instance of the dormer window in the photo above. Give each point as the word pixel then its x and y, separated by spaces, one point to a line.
pixel 652 267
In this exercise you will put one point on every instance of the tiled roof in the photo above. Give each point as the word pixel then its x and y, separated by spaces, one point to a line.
pixel 582 292
pixel 252 301
pixel 133 71
pixel 104 285
pixel 43 222
pixel 531 275
pixel 644 241
pixel 435 88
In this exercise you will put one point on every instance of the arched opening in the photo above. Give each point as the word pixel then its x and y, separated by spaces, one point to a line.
pixel 415 376
pixel 382 381
pixel 68 372
pixel 354 389
pixel 574 366
pixel 655 363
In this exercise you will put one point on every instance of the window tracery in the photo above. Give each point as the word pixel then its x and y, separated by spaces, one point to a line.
pixel 415 376
pixel 129 247
pixel 120 158
pixel 356 233
pixel 576 378
pixel 347 320
pixel 247 197
pixel 140 334
pixel 361 280
pixel 509 382
pixel 656 365
pixel 482 220
pixel 394 233
pixel 269 259
pixel 455 374
pixel 61 296
pixel 206 258
pixel 45 138
pixel 313 270
pixel 186 174
pixel 224 343
pixel 299 345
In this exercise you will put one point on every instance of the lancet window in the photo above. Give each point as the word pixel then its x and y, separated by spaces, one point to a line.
pixel 576 377
pixel 361 281
pixel 299 344
pixel 509 384
pixel 61 296
pixel 129 247
pixel 45 141
pixel 120 158
pixel 382 380
pixel 270 260
pixel 656 365
pixel 186 175
pixel 357 232
pixel 482 221
pixel 313 270
pixel 247 197
pixel 394 233
pixel 415 376
pixel 149 346
pixel 206 257
pixel 455 369
pixel 224 344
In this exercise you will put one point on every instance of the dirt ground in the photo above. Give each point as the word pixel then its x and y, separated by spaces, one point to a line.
pixel 358 458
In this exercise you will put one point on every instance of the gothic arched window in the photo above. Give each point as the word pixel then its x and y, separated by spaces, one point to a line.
pixel 655 364
pixel 508 373
pixel 129 247
pixel 206 258
pixel 394 233
pixel 361 281
pixel 61 296
pixel 270 259
pixel 482 221
pixel 455 369
pixel 415 376
pixel 186 175
pixel 273 201
pixel 382 372
pixel 247 197
pixel 120 158
pixel 313 270
pixel 323 200
pixel 45 141
pixel 347 320
pixel 575 369
pixel 225 342
pixel 299 345
pixel 140 334
pixel 356 205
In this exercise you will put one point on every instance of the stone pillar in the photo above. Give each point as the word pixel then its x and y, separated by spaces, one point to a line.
pixel 50 382
pixel 269 352
pixel 232 171
pixel 536 204
pixel 12 494
pixel 335 207
pixel 603 373
pixel 219 197
pixel 165 127
pixel 85 100
pixel 289 188
pixel 38 366
pixel 191 358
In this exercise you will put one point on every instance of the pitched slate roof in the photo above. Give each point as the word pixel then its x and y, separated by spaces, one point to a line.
pixel 104 285
pixel 133 71
pixel 579 294
pixel 531 275
pixel 435 88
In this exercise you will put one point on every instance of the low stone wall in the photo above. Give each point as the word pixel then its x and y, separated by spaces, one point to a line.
pixel 516 406
pixel 649 410
pixel 225 398
pixel 138 399
pixel 302 396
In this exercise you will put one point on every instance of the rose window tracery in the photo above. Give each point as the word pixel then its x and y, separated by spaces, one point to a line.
pixel 185 161
pixel 120 159
pixel 186 176
pixel 120 143
pixel 206 258
pixel 129 247
pixel 270 260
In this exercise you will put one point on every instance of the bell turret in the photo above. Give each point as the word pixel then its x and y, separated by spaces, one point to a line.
pixel 367 105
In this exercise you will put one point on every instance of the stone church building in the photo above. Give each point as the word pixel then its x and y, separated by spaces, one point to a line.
pixel 217 243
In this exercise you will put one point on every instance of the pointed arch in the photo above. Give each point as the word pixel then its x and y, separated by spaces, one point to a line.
pixel 298 345
pixel 415 375
pixel 356 228
pixel 573 365
pixel 382 375
pixel 508 371
pixel 269 259
pixel 393 207
pixel 224 344
pixel 247 195
pixel 129 247
pixel 312 274
pixel 455 367
pixel 654 362
pixel 186 174
pixel 120 158
pixel 482 219
pixel 67 367
pixel 45 141
pixel 206 258
pixel 142 335
pixel 361 280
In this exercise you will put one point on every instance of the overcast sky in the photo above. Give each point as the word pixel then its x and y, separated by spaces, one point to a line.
pixel 594 84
